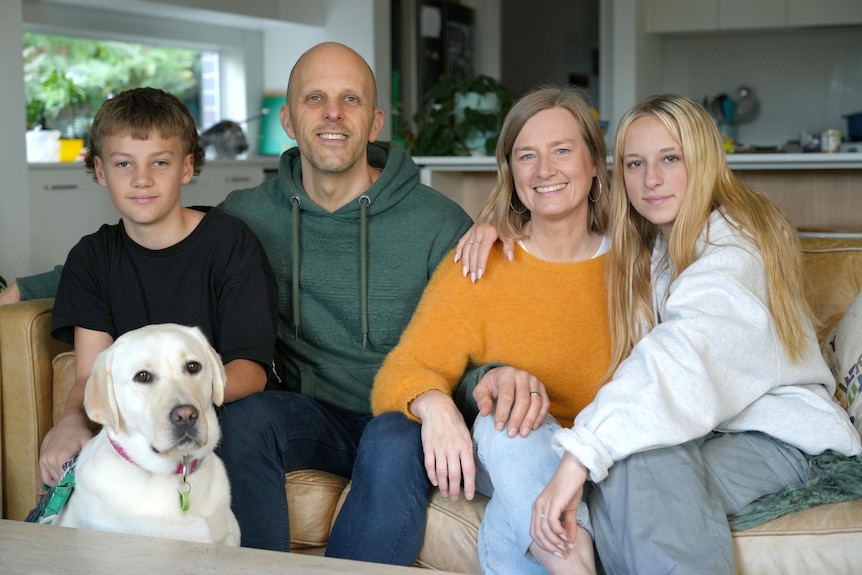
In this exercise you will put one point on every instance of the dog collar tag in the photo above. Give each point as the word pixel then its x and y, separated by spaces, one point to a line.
pixel 184 488
pixel 185 501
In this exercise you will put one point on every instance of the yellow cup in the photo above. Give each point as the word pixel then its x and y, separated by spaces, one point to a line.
pixel 70 149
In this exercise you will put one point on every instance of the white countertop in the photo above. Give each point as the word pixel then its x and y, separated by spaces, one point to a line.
pixel 778 161
pixel 265 162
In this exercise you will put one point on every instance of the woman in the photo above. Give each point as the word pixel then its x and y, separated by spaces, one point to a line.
pixel 544 313
pixel 719 393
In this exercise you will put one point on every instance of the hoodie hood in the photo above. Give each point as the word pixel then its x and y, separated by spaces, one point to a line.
pixel 398 177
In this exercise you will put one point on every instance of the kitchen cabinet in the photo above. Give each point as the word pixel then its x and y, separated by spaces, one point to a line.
pixel 746 15
pixel 680 16
pixel 824 12
pixel 66 203
pixel 813 191
pixel 683 15
pixel 218 178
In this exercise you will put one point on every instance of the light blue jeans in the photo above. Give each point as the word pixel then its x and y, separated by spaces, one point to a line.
pixel 513 471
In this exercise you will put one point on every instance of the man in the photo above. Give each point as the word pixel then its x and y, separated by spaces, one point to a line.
pixel 353 238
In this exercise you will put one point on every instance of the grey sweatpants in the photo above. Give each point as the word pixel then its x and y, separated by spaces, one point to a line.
pixel 666 510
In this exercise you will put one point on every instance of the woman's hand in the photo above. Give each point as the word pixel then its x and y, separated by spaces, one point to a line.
pixel 521 399
pixel 554 524
pixel 473 249
pixel 446 443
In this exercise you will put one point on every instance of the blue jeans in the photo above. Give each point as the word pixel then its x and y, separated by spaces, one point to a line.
pixel 268 434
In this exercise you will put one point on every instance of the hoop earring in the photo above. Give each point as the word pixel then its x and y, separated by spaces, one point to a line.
pixel 590 195
pixel 516 211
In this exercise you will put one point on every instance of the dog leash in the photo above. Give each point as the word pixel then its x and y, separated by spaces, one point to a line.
pixel 54 498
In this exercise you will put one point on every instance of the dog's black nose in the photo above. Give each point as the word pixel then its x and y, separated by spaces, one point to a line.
pixel 184 416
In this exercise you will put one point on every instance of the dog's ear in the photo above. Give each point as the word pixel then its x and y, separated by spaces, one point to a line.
pixel 219 375
pixel 99 400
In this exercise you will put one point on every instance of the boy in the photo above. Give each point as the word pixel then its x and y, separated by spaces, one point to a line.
pixel 161 263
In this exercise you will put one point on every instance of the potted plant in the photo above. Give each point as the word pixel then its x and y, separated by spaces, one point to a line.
pixel 459 118
pixel 61 102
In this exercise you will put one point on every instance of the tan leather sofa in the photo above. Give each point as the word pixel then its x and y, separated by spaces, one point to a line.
pixel 34 373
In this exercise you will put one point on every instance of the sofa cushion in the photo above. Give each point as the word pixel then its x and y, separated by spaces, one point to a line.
pixel 825 539
pixel 842 350
pixel 833 268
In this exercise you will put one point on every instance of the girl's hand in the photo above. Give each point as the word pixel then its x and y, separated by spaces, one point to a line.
pixel 473 249
pixel 554 524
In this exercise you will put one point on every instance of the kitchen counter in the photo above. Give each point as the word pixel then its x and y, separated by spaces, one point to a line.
pixel 265 162
pixel 814 191
pixel 759 161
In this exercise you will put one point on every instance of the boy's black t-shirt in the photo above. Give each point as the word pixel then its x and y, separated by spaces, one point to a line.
pixel 217 279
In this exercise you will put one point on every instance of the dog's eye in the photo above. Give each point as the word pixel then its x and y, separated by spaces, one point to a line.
pixel 143 377
pixel 193 367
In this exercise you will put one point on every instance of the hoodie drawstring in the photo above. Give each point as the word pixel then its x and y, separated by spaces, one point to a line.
pixel 364 202
pixel 295 202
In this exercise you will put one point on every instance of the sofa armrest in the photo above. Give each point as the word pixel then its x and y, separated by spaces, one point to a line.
pixel 26 399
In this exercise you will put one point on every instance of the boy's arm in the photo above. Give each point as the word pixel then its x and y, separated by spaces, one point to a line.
pixel 244 377
pixel 74 429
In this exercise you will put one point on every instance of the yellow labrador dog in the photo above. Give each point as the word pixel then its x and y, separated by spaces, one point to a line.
pixel 151 470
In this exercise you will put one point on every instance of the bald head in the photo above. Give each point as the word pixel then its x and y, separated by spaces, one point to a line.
pixel 327 58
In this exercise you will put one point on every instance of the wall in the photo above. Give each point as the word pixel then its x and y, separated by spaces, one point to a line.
pixel 14 197
pixel 806 78
pixel 559 41
pixel 346 21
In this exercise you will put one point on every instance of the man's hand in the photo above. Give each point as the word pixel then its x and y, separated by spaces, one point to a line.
pixel 521 400
pixel 12 294
pixel 447 444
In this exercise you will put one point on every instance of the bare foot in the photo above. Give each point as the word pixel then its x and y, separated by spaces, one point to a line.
pixel 579 559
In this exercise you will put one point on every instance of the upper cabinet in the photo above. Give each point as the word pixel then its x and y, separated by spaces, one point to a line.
pixel 672 16
pixel 823 12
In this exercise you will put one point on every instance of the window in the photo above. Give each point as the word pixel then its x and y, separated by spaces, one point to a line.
pixel 67 78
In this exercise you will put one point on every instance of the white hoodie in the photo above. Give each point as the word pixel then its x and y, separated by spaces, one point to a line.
pixel 714 361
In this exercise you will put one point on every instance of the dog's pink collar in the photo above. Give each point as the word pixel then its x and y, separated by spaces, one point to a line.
pixel 181 468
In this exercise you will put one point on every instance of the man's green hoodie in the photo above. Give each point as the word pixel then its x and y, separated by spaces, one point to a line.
pixel 348 281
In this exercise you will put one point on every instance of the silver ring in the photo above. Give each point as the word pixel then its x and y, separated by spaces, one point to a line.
pixel 543 516
pixel 536 393
pixel 472 242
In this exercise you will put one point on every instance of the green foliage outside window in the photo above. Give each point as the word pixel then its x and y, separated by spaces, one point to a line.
pixel 66 79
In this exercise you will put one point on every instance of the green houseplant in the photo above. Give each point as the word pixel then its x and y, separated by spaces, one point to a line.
pixel 459 118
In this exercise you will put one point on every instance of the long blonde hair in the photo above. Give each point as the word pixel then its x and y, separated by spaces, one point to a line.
pixel 504 209
pixel 711 185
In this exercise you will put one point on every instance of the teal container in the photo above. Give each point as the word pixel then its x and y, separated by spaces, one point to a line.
pixel 273 139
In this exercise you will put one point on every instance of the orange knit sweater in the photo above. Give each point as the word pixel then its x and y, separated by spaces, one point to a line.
pixel 549 319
